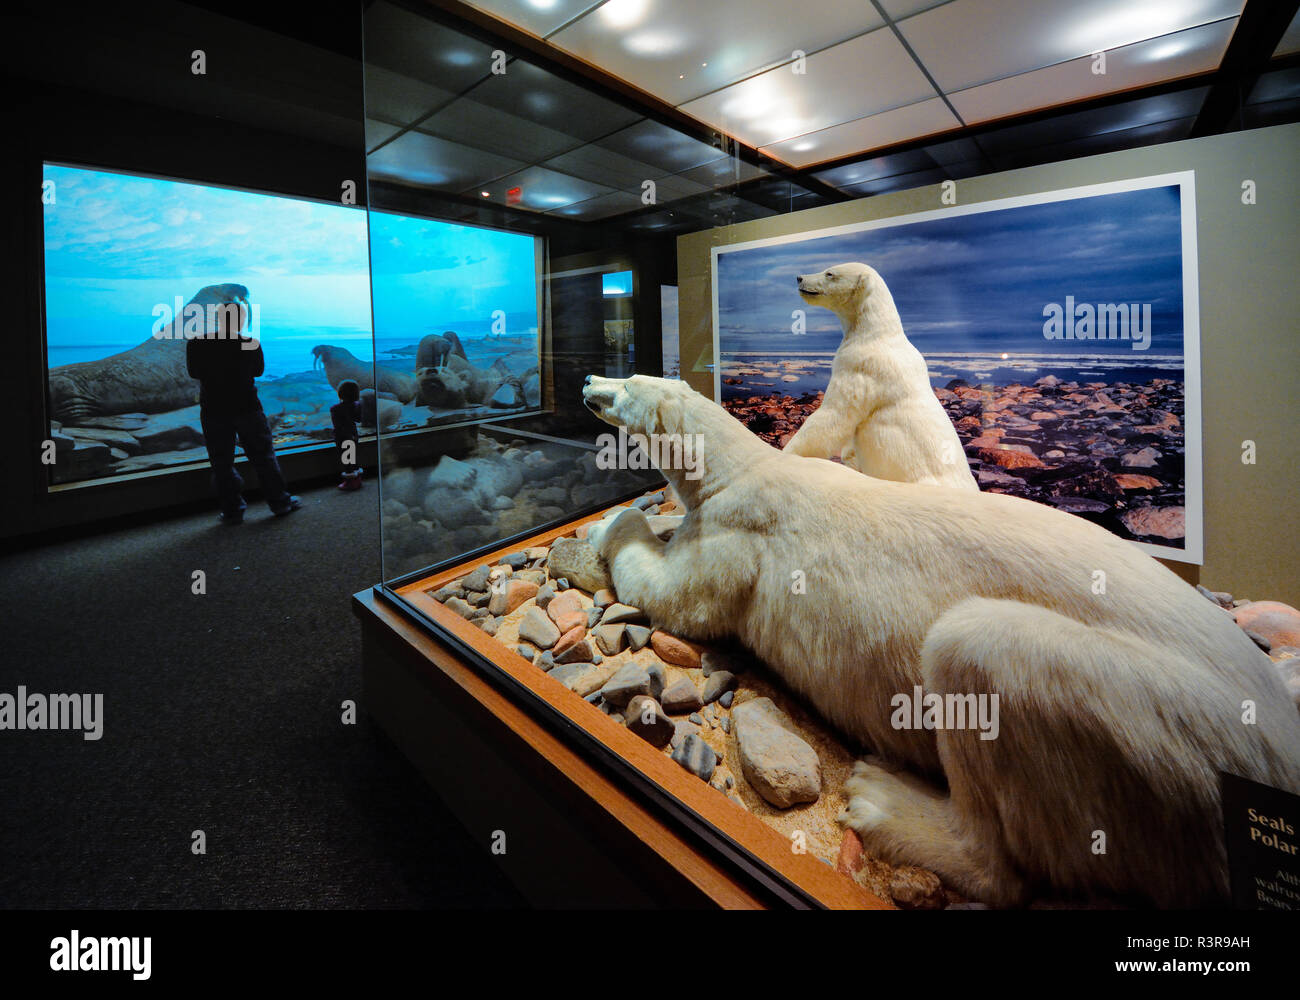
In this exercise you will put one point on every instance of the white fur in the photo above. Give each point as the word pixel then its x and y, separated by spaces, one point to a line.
pixel 879 412
pixel 1117 710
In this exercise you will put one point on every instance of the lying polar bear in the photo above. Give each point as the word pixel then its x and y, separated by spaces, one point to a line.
pixel 1117 709
pixel 879 412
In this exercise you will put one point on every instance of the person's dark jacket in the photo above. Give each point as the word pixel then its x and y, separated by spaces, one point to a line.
pixel 225 369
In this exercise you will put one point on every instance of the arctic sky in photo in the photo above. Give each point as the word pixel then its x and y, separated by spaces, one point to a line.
pixel 976 282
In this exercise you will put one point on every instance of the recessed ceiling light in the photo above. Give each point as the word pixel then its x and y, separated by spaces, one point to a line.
pixel 486 194
pixel 622 13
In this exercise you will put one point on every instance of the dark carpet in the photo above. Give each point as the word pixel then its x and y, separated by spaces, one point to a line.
pixel 221 714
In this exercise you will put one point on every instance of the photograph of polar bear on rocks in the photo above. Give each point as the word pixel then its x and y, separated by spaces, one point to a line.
pixel 1056 338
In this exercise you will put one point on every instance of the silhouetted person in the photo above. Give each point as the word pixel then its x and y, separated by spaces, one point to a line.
pixel 225 362
pixel 344 415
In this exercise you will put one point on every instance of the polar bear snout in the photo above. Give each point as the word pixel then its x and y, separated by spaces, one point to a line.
pixel 598 395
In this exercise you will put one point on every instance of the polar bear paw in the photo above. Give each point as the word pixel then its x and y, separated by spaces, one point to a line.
pixel 875 796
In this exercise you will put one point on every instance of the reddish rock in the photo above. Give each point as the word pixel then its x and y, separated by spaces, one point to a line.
pixel 516 592
pixel 986 440
pixel 673 650
pixel 1156 522
pixel 850 859
pixel 1132 481
pixel 570 620
pixel 1010 457
pixel 1277 622
pixel 565 603
pixel 569 638
pixel 968 425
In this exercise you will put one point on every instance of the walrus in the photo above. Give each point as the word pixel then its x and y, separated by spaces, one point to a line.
pixel 436 348
pixel 340 364
pixel 149 378
pixel 458 383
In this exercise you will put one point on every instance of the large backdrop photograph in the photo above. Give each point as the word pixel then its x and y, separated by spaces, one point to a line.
pixel 1060 332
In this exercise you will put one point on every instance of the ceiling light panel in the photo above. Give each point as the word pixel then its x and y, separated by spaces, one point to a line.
pixel 967 43
pixel 852 80
pixel 658 146
pixel 542 190
pixel 1184 53
pixel 540 17
pixel 874 132
pixel 679 50
pixel 397 98
pixel 528 92
pixel 473 124
pixel 416 47
pixel 417 158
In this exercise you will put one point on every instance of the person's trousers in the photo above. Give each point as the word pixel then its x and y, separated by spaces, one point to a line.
pixel 221 428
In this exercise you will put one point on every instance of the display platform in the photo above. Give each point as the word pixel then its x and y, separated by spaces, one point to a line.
pixel 577 808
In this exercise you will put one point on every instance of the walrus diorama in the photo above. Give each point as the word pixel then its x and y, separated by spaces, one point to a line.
pixel 340 364
pixel 436 348
pixel 149 378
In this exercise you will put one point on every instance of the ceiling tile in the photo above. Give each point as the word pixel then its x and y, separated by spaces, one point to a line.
pixel 881 166
pixel 542 190
pixel 377 132
pixel 899 9
pixel 602 166
pixel 417 158
pixel 1090 145
pixel 679 50
pixel 898 182
pixel 874 132
pixel 415 46
pixel 1185 53
pixel 540 17
pixel 724 171
pixel 529 92
pixel 600 207
pixel 1279 85
pixel 967 43
pixel 397 98
pixel 660 146
pixel 1290 38
pixel 483 127
pixel 852 80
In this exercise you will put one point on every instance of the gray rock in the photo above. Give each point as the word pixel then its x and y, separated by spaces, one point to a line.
pixel 658 678
pixel 577 561
pixel 603 598
pixel 444 594
pixel 681 730
pixel 1258 640
pixel 696 756
pixel 727 698
pixel 647 719
pixel 451 474
pixel 515 560
pixel 780 766
pixel 718 682
pixel 593 617
pixel 477 580
pixel 628 681
pixel 460 607
pixel 725 723
pixel 525 651
pixel 537 628
pixel 681 697
pixel 621 613
pixel 580 652
pixel 544 596
pixel 545 660
pixel 696 718
pixel 170 431
pixel 561 584
pixel 479 613
pixel 478 600
pixel 637 637
pixel 495 477
pixel 610 638
pixel 455 508
pixel 490 625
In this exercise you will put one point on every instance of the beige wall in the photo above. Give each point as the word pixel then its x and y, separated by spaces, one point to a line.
pixel 1249 259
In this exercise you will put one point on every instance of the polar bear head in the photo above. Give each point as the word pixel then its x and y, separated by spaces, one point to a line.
pixel 851 291
pixel 643 404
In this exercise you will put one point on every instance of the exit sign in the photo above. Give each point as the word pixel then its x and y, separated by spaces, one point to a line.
pixel 514 196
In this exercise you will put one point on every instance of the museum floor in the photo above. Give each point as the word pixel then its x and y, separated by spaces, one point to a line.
pixel 221 714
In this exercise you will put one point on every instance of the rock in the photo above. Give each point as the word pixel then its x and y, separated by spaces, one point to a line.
pixel 696 756
pixel 718 682
pixel 579 652
pixel 683 728
pixel 490 624
pixel 593 617
pixel 544 596
pixel 629 681
pixel 454 508
pixel 561 584
pixel 444 594
pixel 537 628
pixel 477 600
pixel 603 598
pixel 637 637
pixel 582 678
pixel 545 661
pixel 515 560
pixel 120 440
pixel 506 397
pixel 616 613
pixel 1156 522
pixel 726 698
pixel 725 723
pixel 916 889
pixel 1008 457
pixel 658 679
pixel 451 474
pixel 1259 640
pixel 610 638
pixel 170 431
pixel 579 563
pixel 533 391
pixel 776 761
pixel 696 718
pixel 462 608
pixel 1220 598
pixel 851 853
pixel 1274 621
pixel 1146 458
pixel 495 477
pixel 1131 481
pixel 566 640
pixel 526 652
pixel 647 719
pixel 681 697
pixel 566 603
pixel 478 580
pixel 673 650
pixel 516 592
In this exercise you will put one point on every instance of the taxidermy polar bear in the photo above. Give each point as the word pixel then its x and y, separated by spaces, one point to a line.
pixel 879 412
pixel 1122 691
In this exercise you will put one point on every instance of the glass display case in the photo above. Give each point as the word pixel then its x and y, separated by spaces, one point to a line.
pixel 523 234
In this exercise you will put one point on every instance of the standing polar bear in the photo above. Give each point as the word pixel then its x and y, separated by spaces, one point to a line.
pixel 879 411
pixel 1117 710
